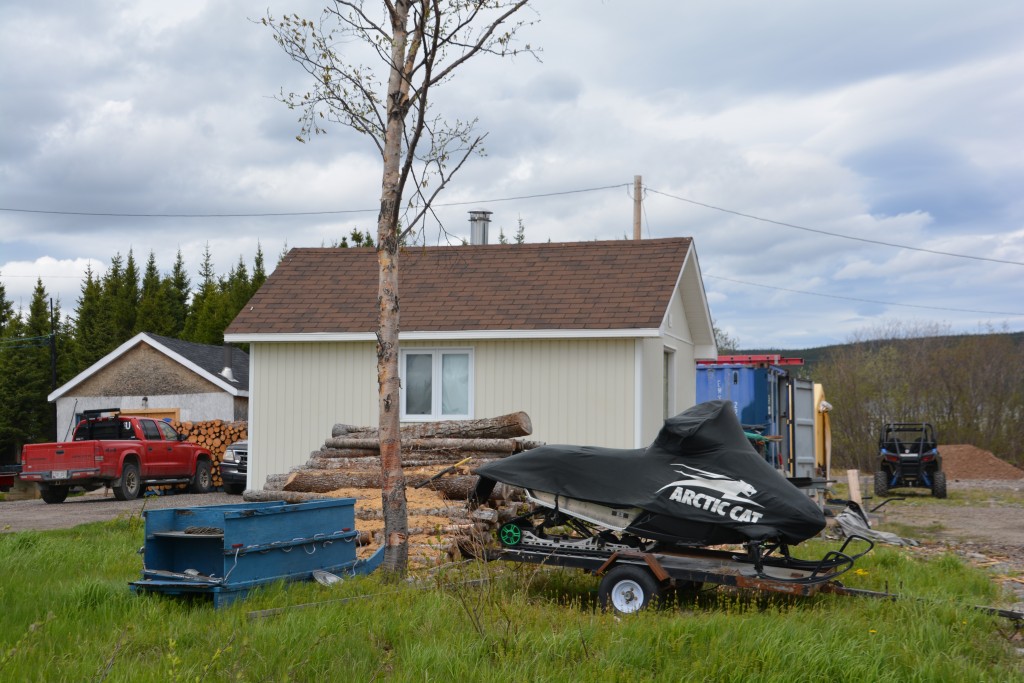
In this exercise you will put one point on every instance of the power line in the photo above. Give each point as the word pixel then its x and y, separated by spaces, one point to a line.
pixel 111 214
pixel 835 234
pixel 337 212
pixel 866 301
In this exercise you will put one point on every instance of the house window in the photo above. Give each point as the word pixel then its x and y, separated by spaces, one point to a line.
pixel 437 384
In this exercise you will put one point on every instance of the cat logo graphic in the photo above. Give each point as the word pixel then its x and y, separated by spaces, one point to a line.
pixel 730 489
pixel 734 493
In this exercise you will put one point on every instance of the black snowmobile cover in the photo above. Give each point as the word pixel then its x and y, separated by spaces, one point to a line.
pixel 700 468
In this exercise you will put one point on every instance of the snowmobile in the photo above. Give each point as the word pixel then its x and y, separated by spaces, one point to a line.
pixel 699 484
pixel 646 520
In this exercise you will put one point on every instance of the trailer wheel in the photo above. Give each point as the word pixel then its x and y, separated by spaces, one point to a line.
pixel 131 483
pixel 939 484
pixel 510 534
pixel 54 494
pixel 881 483
pixel 627 589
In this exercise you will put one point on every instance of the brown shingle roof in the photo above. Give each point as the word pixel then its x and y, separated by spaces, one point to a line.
pixel 564 286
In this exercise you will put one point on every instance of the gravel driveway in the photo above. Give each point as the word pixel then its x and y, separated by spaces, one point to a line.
pixel 96 506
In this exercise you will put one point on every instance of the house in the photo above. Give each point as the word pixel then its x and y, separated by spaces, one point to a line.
pixel 596 341
pixel 159 376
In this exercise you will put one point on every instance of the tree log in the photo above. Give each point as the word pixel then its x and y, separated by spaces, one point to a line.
pixel 342 446
pixel 453 512
pixel 414 460
pixel 502 427
pixel 341 453
pixel 454 487
pixel 318 463
pixel 257 496
pixel 322 481
pixel 276 482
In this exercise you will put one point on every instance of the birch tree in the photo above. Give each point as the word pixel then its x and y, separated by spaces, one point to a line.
pixel 417 45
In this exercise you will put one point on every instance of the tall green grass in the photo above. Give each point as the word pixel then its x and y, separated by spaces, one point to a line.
pixel 67 615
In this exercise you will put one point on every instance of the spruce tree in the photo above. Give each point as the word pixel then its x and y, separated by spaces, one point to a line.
pixel 203 313
pixel 10 326
pixel 6 311
pixel 177 288
pixel 154 310
pixel 93 335
pixel 25 414
pixel 259 273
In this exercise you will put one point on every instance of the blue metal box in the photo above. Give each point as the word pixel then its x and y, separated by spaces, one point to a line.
pixel 225 550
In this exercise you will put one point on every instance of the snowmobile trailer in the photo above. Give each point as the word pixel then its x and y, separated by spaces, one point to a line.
pixel 648 520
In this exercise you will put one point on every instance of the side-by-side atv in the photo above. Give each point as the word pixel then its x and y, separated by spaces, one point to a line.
pixel 909 456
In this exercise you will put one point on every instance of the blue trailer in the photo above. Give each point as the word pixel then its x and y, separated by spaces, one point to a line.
pixel 785 412
pixel 224 551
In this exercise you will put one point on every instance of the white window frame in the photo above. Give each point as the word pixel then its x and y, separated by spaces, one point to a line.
pixel 436 354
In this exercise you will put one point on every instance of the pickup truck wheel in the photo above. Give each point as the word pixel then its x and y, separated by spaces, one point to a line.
pixel 203 481
pixel 627 589
pixel 131 483
pixel 54 494
pixel 234 489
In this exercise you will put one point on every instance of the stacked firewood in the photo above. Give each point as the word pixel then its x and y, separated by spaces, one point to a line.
pixel 438 460
pixel 213 435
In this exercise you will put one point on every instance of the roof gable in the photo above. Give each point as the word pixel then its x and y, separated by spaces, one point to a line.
pixel 608 285
pixel 205 360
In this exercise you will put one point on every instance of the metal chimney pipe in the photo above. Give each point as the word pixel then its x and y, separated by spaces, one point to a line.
pixel 479 221
pixel 227 373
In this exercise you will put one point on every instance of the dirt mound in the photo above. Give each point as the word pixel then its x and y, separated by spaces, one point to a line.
pixel 963 461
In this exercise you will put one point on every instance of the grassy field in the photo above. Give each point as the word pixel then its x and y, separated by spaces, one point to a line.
pixel 68 616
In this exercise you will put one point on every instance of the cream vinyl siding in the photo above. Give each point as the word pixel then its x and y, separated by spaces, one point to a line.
pixel 298 392
pixel 577 391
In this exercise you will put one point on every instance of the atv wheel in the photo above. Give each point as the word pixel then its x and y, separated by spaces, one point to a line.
pixel 54 494
pixel 881 483
pixel 939 484
pixel 627 589
pixel 510 534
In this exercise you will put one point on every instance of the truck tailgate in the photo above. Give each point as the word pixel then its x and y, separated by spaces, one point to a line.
pixel 44 462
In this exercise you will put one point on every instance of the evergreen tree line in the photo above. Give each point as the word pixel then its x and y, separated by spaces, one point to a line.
pixel 970 388
pixel 41 349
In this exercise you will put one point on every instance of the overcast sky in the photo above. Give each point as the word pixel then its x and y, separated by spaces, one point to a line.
pixel 896 122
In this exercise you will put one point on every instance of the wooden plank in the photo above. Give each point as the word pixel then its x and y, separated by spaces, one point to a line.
pixel 853 479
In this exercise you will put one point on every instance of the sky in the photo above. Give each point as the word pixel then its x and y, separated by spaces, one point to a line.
pixel 841 167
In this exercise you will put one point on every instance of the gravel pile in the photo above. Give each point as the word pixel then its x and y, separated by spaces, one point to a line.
pixel 963 461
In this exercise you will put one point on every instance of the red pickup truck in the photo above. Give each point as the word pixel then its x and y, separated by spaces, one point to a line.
pixel 123 452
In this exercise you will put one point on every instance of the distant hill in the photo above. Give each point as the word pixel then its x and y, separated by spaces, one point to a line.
pixel 817 354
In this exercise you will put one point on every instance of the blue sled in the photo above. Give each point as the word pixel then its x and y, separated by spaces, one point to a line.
pixel 224 551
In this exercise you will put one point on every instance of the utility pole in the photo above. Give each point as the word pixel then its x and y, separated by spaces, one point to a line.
pixel 637 188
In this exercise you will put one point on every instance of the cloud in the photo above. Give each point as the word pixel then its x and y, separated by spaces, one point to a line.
pixel 895 123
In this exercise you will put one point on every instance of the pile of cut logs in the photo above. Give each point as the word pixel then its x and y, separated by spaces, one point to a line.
pixel 438 459
pixel 215 436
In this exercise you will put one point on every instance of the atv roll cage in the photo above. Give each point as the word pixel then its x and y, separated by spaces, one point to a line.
pixel 909 456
